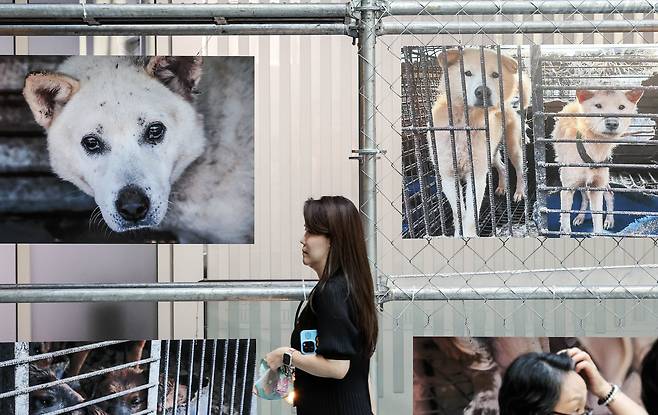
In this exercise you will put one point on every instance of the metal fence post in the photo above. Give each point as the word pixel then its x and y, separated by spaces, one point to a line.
pixel 22 378
pixel 154 376
pixel 538 135
pixel 367 140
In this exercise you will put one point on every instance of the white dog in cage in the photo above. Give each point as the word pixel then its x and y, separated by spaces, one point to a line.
pixel 462 163
pixel 156 144
pixel 582 130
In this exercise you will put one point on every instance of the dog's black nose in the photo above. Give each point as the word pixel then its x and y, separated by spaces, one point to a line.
pixel 483 93
pixel 132 203
pixel 611 124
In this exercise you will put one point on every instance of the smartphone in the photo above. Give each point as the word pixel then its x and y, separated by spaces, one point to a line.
pixel 309 341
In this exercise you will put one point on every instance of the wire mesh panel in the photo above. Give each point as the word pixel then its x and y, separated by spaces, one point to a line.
pixel 504 285
pixel 118 377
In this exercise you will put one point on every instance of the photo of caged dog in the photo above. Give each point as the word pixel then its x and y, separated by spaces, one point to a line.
pixel 160 142
pixel 476 104
pixel 588 144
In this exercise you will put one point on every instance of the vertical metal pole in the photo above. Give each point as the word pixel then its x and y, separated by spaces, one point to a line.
pixel 367 140
pixel 538 133
pixel 154 376
pixel 22 378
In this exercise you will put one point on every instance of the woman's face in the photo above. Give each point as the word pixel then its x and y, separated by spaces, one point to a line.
pixel 573 395
pixel 315 250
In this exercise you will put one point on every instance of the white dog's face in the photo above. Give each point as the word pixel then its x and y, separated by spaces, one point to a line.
pixel 481 91
pixel 609 102
pixel 120 135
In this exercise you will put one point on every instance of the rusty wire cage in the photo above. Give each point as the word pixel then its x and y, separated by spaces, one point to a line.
pixel 116 377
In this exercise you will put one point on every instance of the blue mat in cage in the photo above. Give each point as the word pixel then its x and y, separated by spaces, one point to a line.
pixel 624 224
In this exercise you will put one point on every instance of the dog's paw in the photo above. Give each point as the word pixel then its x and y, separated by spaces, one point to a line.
pixel 518 195
pixel 500 190
pixel 483 403
pixel 578 220
pixel 609 222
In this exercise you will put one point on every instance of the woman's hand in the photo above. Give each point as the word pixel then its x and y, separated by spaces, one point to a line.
pixel 588 370
pixel 274 358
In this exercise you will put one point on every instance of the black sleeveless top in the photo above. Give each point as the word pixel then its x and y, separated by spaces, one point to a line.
pixel 329 311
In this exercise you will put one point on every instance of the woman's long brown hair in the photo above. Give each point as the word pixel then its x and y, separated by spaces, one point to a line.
pixel 337 218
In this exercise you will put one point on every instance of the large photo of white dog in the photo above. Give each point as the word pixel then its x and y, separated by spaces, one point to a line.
pixel 154 148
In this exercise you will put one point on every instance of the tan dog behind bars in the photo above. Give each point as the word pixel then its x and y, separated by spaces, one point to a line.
pixel 591 128
pixel 456 168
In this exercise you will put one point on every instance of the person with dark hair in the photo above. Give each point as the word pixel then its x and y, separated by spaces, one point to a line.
pixel 557 384
pixel 341 308
pixel 649 377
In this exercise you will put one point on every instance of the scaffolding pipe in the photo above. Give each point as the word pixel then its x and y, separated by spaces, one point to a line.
pixel 174 29
pixel 294 290
pixel 203 291
pixel 449 8
pixel 367 142
pixel 507 27
pixel 170 12
pixel 616 292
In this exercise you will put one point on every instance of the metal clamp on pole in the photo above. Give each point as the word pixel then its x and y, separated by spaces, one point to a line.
pixel 365 153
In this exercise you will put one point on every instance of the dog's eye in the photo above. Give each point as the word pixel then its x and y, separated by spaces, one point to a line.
pixel 468 73
pixel 92 144
pixel 599 106
pixel 622 107
pixel 154 132
pixel 135 401
pixel 495 75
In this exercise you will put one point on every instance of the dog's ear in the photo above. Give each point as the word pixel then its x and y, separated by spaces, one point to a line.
pixel 47 93
pixel 181 74
pixel 509 64
pixel 583 95
pixel 634 95
pixel 447 58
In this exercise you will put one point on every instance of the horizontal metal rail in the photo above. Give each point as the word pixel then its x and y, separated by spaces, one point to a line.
pixel 597 189
pixel 596 165
pixel 294 290
pixel 96 13
pixel 202 291
pixel 493 28
pixel 58 353
pixel 106 398
pixel 518 7
pixel 175 29
pixel 630 59
pixel 595 114
pixel 590 234
pixel 617 141
pixel 33 388
pixel 597 88
pixel 430 292
pixel 616 212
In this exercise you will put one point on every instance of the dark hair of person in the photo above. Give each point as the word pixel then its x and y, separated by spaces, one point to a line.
pixel 649 375
pixel 532 384
pixel 337 218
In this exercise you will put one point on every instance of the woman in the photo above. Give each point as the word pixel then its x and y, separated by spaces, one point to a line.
pixel 341 308
pixel 649 377
pixel 557 384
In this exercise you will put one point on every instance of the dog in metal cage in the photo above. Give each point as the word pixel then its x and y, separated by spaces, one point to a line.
pixel 584 129
pixel 482 111
pixel 53 398
pixel 155 143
